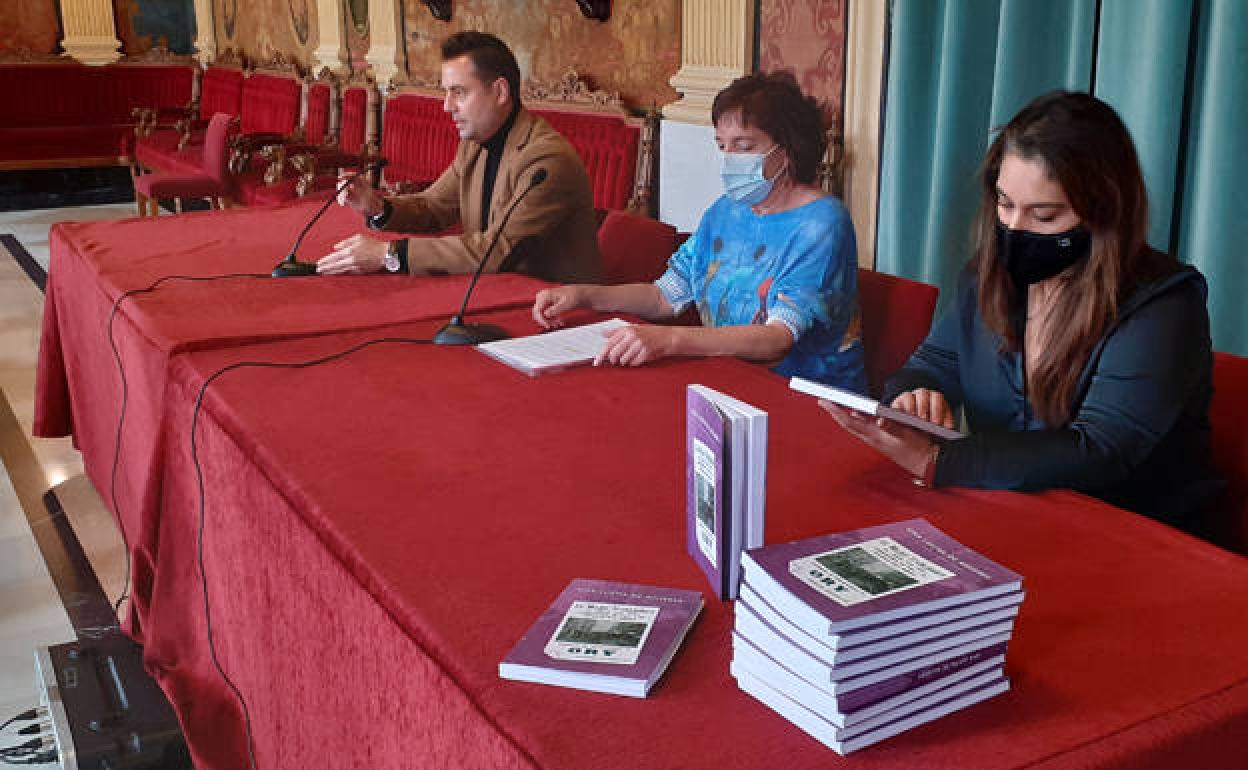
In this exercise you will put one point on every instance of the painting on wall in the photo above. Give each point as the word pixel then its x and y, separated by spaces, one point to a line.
pixel 263 29
pixel 635 54
pixel 807 37
pixel 29 28
pixel 147 24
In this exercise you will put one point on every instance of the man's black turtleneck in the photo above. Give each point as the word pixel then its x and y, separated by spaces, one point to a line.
pixel 493 156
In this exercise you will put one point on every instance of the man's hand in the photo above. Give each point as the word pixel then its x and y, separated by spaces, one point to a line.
pixel 637 345
pixel 552 303
pixel 357 254
pixel 360 195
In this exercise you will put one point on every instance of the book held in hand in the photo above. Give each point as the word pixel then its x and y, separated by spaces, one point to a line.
pixel 604 636
pixel 865 405
pixel 553 351
pixel 727 483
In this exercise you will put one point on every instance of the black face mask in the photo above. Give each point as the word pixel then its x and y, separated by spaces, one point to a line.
pixel 1032 257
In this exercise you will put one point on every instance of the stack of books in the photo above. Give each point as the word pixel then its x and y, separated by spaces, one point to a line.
pixel 858 636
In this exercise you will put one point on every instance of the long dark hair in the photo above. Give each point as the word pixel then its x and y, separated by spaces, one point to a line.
pixel 1083 146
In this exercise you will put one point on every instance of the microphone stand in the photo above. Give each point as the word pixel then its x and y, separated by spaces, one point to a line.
pixel 291 266
pixel 456 332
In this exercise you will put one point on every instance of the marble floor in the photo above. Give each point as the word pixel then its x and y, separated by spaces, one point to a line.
pixel 31 611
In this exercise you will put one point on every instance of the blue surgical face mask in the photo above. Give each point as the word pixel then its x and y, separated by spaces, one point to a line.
pixel 742 176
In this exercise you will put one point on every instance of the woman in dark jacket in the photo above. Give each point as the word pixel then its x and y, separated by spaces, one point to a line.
pixel 1080 355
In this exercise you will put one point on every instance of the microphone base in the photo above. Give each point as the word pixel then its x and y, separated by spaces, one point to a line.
pixel 468 334
pixel 288 268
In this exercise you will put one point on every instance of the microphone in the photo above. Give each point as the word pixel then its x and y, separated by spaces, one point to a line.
pixel 459 333
pixel 291 266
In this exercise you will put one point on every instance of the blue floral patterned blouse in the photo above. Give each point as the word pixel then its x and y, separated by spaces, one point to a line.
pixel 796 267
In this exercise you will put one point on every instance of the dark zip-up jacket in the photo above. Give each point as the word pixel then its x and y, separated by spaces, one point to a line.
pixel 1140 435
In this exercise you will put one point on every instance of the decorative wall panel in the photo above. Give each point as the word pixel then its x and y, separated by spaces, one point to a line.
pixel 262 29
pixel 28 28
pixel 635 53
pixel 808 37
pixel 146 24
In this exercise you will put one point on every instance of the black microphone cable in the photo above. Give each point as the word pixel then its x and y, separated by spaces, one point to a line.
pixel 199 478
pixel 121 418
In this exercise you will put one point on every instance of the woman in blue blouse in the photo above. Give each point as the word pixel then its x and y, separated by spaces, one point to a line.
pixel 772 267
pixel 1080 354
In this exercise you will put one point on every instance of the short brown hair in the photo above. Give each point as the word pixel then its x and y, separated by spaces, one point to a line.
pixel 775 104
pixel 491 58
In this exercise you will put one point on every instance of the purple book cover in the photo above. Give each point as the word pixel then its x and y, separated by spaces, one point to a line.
pixel 707 482
pixel 833 583
pixel 607 629
pixel 874 693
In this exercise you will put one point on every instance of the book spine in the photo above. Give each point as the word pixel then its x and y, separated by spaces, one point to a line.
pixel 863 697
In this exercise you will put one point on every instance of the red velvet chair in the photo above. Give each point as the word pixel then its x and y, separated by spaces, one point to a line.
pixel 896 316
pixel 1229 419
pixel 213 182
pixel 634 248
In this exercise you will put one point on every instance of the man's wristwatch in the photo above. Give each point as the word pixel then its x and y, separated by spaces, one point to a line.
pixel 393 261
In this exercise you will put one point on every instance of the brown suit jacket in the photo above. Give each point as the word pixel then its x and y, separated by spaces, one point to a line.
pixel 552 234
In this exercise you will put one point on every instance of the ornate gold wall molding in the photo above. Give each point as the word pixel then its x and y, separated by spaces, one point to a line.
pixel 90 31
pixel 864 74
pixel 716 46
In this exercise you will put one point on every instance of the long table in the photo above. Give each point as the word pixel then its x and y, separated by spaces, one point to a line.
pixel 379 530
pixel 211 290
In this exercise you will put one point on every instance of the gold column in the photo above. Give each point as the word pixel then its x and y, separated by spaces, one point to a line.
pixel 716 46
pixel 205 32
pixel 332 51
pixel 864 74
pixel 90 32
pixel 385 52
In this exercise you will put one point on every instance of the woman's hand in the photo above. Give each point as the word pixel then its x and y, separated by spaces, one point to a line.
pixel 927 405
pixel 637 345
pixel 552 303
pixel 909 448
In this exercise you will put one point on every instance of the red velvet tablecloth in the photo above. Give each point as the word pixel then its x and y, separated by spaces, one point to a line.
pixel 80 386
pixel 379 530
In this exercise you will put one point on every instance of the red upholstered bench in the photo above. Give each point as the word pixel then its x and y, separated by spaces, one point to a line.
pixel 62 114
pixel 419 139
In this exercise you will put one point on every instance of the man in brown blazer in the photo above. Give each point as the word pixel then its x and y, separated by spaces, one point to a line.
pixel 503 152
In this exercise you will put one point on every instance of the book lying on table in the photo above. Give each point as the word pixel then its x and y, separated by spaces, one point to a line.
pixel 726 474
pixel 553 351
pixel 827 675
pixel 843 740
pixel 869 700
pixel 858 649
pixel 833 584
pixel 604 636
pixel 865 405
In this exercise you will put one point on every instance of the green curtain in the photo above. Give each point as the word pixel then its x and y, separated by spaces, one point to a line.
pixel 1174 69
